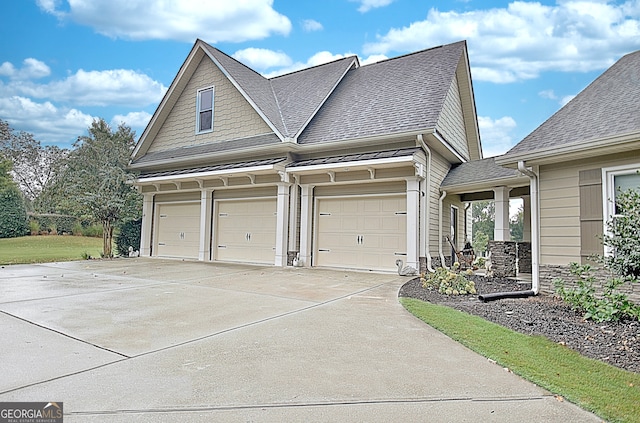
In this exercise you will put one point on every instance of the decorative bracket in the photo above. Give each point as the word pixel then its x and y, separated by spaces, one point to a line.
pixel 284 176
pixel 177 184
pixel 225 180
pixel 252 178
pixel 372 173
pixel 332 175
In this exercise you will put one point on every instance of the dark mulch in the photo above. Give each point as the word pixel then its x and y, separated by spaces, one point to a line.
pixel 614 343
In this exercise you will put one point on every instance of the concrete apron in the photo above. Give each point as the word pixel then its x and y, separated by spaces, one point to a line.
pixel 160 340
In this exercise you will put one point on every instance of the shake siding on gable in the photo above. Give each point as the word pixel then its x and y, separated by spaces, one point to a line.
pixel 233 117
pixel 451 122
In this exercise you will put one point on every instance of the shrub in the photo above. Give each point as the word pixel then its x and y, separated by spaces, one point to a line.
pixel 612 306
pixel 449 282
pixel 13 214
pixel 93 230
pixel 128 236
pixel 55 223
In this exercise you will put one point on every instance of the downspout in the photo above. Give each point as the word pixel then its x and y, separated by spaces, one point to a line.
pixel 443 262
pixel 424 229
pixel 535 242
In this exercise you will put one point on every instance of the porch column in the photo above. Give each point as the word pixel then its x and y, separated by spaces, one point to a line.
pixel 293 218
pixel 306 227
pixel 147 228
pixel 501 230
pixel 526 231
pixel 413 222
pixel 282 223
pixel 205 224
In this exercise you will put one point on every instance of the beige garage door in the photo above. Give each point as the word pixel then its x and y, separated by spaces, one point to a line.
pixel 361 233
pixel 178 230
pixel 246 230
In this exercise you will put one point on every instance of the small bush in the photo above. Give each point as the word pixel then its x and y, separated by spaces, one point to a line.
pixel 55 223
pixel 94 230
pixel 13 214
pixel 449 282
pixel 128 236
pixel 612 306
pixel 34 227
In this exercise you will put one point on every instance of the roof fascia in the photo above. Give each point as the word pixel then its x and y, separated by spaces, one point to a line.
pixel 246 95
pixel 514 181
pixel 145 138
pixel 306 123
pixel 577 150
pixel 354 164
pixel 471 117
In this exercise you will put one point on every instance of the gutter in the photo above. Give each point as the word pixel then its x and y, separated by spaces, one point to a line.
pixel 443 262
pixel 424 205
pixel 535 242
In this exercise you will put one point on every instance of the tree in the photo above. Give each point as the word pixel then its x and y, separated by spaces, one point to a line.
pixel 13 214
pixel 623 237
pixel 483 220
pixel 34 165
pixel 95 179
pixel 516 225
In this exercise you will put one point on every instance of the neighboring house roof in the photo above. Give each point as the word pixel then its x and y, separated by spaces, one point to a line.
pixel 397 95
pixel 480 175
pixel 603 115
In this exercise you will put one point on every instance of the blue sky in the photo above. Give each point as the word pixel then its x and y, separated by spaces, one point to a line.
pixel 65 62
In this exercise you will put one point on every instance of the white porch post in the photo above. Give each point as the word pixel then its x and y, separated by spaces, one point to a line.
pixel 413 221
pixel 501 230
pixel 293 217
pixel 306 227
pixel 205 224
pixel 147 217
pixel 282 223
pixel 526 231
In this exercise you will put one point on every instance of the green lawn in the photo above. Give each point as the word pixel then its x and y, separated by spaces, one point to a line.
pixel 47 248
pixel 605 390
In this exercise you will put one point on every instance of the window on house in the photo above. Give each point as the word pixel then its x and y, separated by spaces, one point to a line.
pixel 205 110
pixel 616 180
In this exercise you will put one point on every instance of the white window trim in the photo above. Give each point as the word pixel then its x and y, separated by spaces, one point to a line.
pixel 198 95
pixel 608 193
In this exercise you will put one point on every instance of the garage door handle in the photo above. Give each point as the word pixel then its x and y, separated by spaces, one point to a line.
pixel 323 251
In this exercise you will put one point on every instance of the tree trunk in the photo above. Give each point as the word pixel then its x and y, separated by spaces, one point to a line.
pixel 107 236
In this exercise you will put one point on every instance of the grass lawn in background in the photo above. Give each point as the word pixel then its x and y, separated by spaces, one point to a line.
pixel 48 248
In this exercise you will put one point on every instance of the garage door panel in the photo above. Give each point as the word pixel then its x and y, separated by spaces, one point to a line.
pixel 361 232
pixel 245 230
pixel 178 230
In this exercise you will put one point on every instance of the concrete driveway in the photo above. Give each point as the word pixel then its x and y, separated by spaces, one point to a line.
pixel 157 340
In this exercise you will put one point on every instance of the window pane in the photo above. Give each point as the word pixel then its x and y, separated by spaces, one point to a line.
pixel 205 120
pixel 624 182
pixel 206 99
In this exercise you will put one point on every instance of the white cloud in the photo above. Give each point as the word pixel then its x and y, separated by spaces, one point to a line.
pixel 133 120
pixel 319 58
pixel 260 58
pixel 496 134
pixel 366 5
pixel 96 88
pixel 182 20
pixel 548 94
pixel 310 25
pixel 31 69
pixel 567 98
pixel 526 38
pixel 48 123
pixel 374 58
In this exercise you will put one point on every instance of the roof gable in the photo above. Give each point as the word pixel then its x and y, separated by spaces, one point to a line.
pixel 603 112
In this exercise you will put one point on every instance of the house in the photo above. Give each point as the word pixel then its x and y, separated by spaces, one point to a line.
pixel 337 165
pixel 575 161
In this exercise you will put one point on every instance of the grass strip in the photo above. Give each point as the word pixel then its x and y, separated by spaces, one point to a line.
pixel 609 392
pixel 46 249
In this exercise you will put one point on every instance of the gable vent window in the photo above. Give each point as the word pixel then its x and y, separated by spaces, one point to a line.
pixel 205 111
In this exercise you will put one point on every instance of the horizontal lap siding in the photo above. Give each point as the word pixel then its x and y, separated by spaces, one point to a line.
pixel 451 121
pixel 439 169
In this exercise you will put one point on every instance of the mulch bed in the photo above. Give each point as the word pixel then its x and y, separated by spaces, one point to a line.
pixel 614 343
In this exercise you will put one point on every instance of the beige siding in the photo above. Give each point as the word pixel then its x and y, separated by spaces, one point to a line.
pixel 451 121
pixel 439 169
pixel 233 117
pixel 560 208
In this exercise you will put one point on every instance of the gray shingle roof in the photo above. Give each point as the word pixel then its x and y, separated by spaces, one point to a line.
pixel 477 171
pixel 609 106
pixel 205 149
pixel 226 166
pixel 356 157
pixel 397 95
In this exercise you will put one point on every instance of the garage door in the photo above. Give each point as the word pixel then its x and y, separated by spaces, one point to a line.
pixel 361 233
pixel 178 230
pixel 246 231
